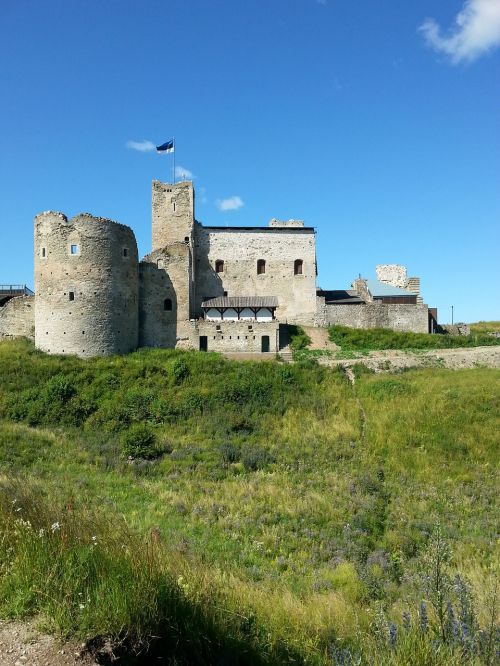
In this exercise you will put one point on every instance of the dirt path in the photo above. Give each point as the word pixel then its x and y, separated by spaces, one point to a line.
pixel 319 338
pixel 392 360
pixel 21 644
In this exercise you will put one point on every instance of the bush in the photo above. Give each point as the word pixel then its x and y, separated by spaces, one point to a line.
pixel 229 453
pixel 298 338
pixel 139 441
pixel 180 370
pixel 60 388
pixel 255 458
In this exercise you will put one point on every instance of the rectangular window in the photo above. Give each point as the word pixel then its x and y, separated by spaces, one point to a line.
pixel 74 249
pixel 71 295
pixel 44 252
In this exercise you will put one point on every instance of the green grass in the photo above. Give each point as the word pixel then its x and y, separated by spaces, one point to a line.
pixel 260 522
pixel 354 339
pixel 298 338
pixel 485 327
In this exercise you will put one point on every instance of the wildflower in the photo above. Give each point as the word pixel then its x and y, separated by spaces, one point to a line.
pixel 81 606
pixel 41 532
pixel 24 524
pixel 393 635
pixel 407 621
pixel 18 508
pixel 55 527
pixel 423 618
pixel 94 539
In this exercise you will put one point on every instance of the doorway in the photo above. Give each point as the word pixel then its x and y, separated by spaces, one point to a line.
pixel 203 343
pixel 265 343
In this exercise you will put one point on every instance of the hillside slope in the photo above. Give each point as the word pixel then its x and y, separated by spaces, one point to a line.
pixel 276 510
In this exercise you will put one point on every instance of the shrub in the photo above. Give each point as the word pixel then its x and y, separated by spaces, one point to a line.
pixel 139 441
pixel 229 453
pixel 60 388
pixel 180 370
pixel 255 458
pixel 298 338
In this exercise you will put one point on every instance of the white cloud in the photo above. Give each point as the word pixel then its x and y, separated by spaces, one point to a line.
pixel 183 173
pixel 231 203
pixel 142 146
pixel 476 31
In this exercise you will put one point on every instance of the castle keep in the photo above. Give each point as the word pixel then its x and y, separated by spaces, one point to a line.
pixel 201 287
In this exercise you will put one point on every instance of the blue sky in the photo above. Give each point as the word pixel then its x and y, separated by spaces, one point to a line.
pixel 375 121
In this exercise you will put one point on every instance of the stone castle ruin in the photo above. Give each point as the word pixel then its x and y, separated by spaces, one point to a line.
pixel 201 287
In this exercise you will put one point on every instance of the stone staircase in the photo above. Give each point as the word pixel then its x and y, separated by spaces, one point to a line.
pixel 286 354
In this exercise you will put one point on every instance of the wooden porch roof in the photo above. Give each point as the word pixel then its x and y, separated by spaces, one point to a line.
pixel 238 302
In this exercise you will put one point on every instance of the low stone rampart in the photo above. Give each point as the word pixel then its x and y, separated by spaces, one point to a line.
pixel 17 318
pixel 398 317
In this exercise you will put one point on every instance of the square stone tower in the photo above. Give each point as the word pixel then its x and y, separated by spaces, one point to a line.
pixel 167 275
pixel 173 213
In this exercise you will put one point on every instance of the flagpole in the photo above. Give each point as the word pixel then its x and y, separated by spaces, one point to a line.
pixel 174 157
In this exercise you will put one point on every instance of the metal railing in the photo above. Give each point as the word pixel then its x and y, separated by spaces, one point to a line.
pixel 15 290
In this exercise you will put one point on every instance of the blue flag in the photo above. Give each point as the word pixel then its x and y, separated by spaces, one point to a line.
pixel 167 147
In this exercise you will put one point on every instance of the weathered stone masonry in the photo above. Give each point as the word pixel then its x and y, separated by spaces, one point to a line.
pixel 86 286
pixel 94 297
pixel 17 318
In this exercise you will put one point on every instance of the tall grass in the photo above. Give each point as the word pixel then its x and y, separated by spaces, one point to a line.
pixel 485 327
pixel 358 339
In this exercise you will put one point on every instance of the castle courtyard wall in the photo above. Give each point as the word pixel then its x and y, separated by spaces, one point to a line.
pixel 398 317
pixel 240 249
pixel 17 318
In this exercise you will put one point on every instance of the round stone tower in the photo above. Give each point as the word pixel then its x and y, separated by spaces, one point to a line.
pixel 86 286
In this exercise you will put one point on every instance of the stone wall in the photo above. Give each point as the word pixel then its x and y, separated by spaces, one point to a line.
pixel 164 311
pixel 239 336
pixel 240 249
pixel 393 274
pixel 401 317
pixel 17 318
pixel 87 299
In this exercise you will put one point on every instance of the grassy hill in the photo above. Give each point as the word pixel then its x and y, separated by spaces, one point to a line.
pixel 250 512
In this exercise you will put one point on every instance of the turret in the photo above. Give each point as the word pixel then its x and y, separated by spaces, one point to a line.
pixel 86 283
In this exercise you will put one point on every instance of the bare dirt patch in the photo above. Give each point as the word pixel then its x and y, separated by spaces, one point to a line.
pixel 21 644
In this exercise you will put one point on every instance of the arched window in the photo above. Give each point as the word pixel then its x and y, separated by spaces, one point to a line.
pixel 219 266
pixel 261 267
pixel 167 304
pixel 297 266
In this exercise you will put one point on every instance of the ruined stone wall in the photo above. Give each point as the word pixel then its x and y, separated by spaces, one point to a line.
pixel 240 249
pixel 87 301
pixel 400 317
pixel 239 336
pixel 17 318
pixel 164 310
pixel 393 274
